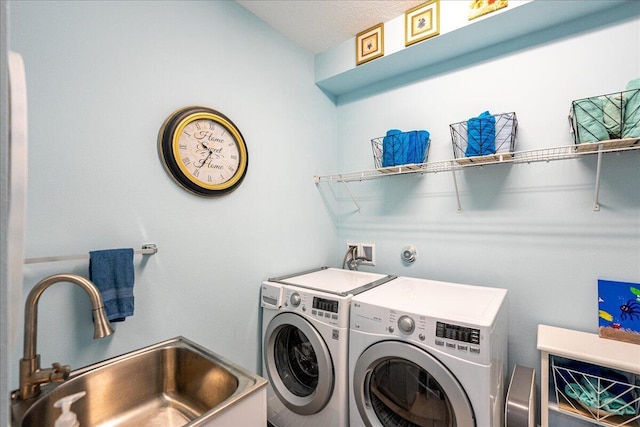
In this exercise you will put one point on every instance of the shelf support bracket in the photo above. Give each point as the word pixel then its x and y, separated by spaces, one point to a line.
pixel 596 203
pixel 351 195
pixel 455 184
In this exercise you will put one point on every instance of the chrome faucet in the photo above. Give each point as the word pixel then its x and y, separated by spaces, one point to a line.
pixel 31 376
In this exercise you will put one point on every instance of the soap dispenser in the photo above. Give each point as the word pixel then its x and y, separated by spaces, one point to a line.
pixel 68 418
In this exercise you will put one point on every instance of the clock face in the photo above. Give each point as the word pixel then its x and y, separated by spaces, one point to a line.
pixel 207 152
pixel 203 151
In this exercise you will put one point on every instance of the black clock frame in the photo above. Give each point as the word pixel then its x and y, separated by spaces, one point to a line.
pixel 165 150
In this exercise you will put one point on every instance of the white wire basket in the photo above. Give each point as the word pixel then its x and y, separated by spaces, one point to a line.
pixel 611 120
pixel 611 398
pixel 406 150
pixel 479 141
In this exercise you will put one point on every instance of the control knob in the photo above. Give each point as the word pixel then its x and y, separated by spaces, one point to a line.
pixel 406 324
pixel 295 299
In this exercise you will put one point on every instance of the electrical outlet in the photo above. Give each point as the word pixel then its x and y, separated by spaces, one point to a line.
pixel 365 252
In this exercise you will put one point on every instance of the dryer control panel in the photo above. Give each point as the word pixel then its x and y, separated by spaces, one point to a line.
pixel 462 341
pixel 458 333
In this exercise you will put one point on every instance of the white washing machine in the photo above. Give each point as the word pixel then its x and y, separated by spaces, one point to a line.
pixel 305 331
pixel 428 353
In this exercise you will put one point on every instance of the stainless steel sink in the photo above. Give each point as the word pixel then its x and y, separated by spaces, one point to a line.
pixel 172 383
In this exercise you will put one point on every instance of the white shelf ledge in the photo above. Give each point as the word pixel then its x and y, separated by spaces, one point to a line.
pixel 589 348
pixel 528 24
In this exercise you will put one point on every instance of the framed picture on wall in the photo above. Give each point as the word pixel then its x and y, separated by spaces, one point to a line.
pixel 370 44
pixel 422 22
pixel 482 7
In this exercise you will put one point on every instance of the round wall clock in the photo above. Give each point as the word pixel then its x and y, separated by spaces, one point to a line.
pixel 203 151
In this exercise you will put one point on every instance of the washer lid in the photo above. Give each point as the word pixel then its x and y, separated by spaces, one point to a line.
pixel 335 280
pixel 478 305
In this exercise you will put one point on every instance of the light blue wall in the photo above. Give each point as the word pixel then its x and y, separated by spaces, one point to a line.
pixel 529 228
pixel 102 77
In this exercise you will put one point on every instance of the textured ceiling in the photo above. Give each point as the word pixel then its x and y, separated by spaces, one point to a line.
pixel 317 25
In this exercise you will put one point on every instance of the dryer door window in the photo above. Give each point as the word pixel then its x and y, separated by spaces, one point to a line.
pixel 298 364
pixel 397 384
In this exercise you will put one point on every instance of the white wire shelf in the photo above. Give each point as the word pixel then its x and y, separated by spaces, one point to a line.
pixel 528 156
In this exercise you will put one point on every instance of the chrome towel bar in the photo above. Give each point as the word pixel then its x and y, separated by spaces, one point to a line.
pixel 147 249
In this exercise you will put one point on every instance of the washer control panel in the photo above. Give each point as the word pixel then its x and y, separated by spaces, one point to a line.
pixel 325 304
pixel 326 309
pixel 295 299
pixel 313 306
pixel 406 324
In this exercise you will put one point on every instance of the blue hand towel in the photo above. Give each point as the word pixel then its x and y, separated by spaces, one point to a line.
pixel 417 146
pixel 403 148
pixel 392 148
pixel 112 272
pixel 481 135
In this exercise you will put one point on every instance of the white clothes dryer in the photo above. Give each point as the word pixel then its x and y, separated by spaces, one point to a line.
pixel 428 353
pixel 305 331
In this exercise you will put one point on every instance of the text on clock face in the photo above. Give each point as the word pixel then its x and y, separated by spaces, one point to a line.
pixel 203 145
